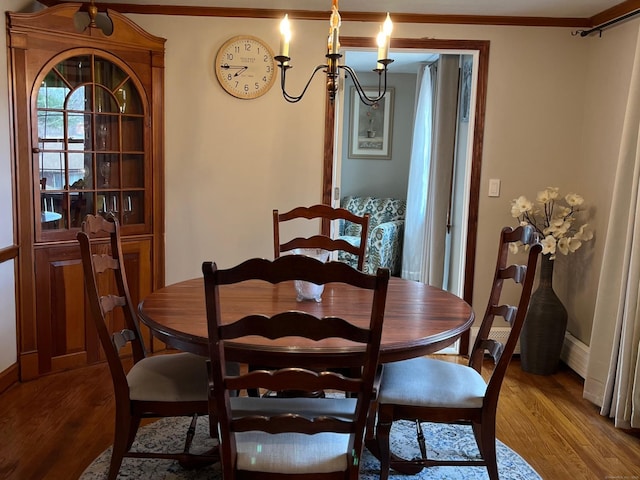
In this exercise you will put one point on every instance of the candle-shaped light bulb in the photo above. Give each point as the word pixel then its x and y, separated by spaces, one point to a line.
pixel 384 40
pixel 334 29
pixel 387 26
pixel 381 40
pixel 285 32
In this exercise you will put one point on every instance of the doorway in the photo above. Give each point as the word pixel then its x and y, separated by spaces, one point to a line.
pixel 333 137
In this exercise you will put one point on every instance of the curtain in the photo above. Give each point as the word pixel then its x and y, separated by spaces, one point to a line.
pixel 430 174
pixel 613 371
pixel 413 250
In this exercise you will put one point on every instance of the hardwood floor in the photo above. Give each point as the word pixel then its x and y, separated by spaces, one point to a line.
pixel 53 427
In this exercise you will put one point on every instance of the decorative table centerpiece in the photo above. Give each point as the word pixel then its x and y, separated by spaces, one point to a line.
pixel 553 218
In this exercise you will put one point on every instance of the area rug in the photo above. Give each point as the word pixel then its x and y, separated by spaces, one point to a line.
pixel 444 441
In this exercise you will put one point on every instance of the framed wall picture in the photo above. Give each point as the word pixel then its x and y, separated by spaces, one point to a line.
pixel 370 127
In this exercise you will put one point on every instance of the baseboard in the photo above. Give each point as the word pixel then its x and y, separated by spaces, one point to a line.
pixel 574 353
pixel 8 377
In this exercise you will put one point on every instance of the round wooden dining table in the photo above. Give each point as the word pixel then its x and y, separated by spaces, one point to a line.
pixel 419 319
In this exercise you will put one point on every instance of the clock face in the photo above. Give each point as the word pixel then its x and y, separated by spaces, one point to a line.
pixel 245 67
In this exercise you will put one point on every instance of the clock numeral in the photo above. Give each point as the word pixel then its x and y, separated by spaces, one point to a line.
pixel 229 56
pixel 265 58
pixel 257 86
pixel 247 47
pixel 246 87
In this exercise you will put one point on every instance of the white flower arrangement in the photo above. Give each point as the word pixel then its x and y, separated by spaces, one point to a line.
pixel 553 221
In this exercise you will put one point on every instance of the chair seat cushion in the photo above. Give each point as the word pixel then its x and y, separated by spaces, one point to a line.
pixel 293 452
pixel 169 378
pixel 428 382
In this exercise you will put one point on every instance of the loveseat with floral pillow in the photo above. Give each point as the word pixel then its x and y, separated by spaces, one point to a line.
pixel 386 228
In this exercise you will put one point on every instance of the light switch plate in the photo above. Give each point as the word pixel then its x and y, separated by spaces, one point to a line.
pixel 494 187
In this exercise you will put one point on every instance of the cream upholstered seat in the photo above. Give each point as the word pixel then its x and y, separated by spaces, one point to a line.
pixel 324 452
pixel 432 390
pixel 302 437
pixel 458 385
pixel 168 378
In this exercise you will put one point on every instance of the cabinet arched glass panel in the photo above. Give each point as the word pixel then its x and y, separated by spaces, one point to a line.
pixel 91 148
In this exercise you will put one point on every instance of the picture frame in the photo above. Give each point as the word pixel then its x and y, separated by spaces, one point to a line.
pixel 370 127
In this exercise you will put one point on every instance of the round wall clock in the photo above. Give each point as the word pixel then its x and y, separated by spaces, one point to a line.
pixel 245 67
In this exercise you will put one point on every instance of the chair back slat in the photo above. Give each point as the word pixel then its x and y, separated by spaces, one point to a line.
pixel 323 241
pixel 515 272
pixel 279 380
pixel 320 241
pixel 289 375
pixel 286 423
pixel 121 338
pixel 104 262
pixel 287 324
pixel 493 347
pixel 98 224
pixel 295 267
pixel 110 302
pixel 508 312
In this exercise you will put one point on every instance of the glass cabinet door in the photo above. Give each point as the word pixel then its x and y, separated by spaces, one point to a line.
pixel 91 145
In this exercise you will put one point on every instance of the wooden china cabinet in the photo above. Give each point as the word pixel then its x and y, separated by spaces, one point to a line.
pixel 87 96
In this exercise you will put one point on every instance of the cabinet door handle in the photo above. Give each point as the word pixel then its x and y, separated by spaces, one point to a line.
pixel 35 150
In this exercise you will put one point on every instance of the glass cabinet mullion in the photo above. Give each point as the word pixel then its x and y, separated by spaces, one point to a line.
pixel 91 131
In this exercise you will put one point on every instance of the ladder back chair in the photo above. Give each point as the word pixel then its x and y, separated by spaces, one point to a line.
pixel 156 386
pixel 439 391
pixel 303 437
pixel 324 242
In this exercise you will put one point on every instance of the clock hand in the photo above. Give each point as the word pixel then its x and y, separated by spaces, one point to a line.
pixel 241 69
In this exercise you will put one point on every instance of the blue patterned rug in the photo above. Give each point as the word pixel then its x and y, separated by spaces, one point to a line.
pixel 444 441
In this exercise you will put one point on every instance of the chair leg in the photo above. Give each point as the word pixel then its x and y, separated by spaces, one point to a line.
pixel 383 429
pixel 134 424
pixel 191 431
pixel 125 432
pixel 486 438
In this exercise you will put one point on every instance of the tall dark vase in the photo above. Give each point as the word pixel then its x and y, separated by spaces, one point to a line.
pixel 544 328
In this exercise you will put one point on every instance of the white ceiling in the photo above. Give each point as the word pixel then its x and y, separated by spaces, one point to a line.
pixel 519 8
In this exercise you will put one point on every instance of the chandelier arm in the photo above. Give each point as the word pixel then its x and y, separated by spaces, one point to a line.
pixel 363 96
pixel 292 98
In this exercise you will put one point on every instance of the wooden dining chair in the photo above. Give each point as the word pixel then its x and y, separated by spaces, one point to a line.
pixel 439 391
pixel 156 386
pixel 324 242
pixel 304 437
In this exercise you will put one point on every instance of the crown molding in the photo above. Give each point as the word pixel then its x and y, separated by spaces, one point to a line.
pixel 196 11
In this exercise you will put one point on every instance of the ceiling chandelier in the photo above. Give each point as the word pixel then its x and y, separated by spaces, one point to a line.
pixel 333 67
